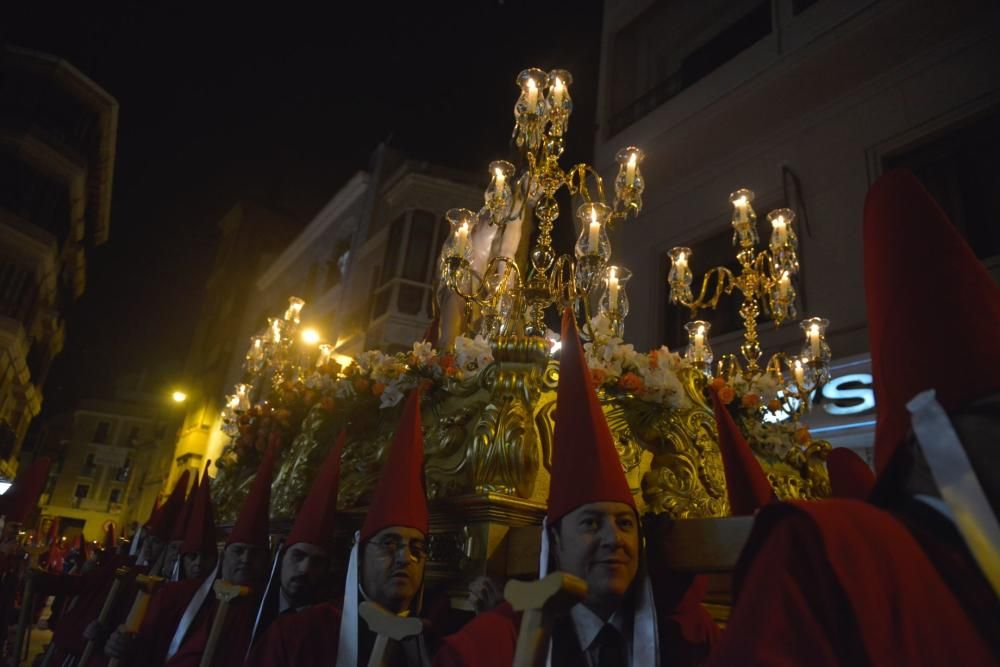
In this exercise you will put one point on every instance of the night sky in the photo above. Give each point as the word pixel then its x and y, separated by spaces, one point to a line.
pixel 281 106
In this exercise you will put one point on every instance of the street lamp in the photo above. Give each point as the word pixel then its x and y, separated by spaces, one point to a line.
pixel 179 396
pixel 310 336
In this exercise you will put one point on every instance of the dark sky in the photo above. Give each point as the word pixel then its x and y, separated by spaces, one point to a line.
pixel 282 106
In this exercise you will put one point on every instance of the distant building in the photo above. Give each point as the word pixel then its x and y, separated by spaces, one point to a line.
pixel 252 235
pixel 365 266
pixel 805 102
pixel 111 460
pixel 57 154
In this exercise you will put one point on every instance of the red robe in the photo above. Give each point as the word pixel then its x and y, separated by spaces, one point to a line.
pixel 233 641
pixel 162 617
pixel 306 638
pixel 687 633
pixel 839 582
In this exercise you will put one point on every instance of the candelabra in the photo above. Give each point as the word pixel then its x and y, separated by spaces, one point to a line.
pixel 478 263
pixel 275 356
pixel 764 279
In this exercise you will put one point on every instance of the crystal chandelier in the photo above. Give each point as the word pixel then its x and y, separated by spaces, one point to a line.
pixel 479 261
pixel 764 279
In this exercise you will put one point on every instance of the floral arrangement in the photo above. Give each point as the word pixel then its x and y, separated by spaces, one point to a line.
pixel 618 369
pixel 761 412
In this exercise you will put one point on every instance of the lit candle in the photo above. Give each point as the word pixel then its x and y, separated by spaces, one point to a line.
pixel 741 209
pixel 276 331
pixel 784 285
pixel 595 230
pixel 800 373
pixel 699 343
pixel 500 178
pixel 532 96
pixel 779 233
pixel 462 239
pixel 630 169
pixel 612 290
pixel 814 341
pixel 681 264
pixel 557 92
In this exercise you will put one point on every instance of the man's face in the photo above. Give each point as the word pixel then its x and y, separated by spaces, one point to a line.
pixel 152 547
pixel 304 573
pixel 195 565
pixel 392 567
pixel 599 542
pixel 170 557
pixel 244 564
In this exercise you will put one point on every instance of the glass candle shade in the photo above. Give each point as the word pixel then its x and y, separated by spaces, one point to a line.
pixel 784 242
pixel 560 104
pixel 629 182
pixel 593 240
pixel 699 352
pixel 744 219
pixel 459 243
pixel 680 275
pixel 499 196
pixel 294 309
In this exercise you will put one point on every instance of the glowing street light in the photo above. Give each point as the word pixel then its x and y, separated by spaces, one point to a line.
pixel 179 396
pixel 310 336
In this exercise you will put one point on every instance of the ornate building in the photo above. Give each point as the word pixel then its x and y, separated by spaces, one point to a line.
pixel 805 103
pixel 57 154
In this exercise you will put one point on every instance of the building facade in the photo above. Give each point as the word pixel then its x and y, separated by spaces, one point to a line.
pixel 111 461
pixel 57 153
pixel 805 102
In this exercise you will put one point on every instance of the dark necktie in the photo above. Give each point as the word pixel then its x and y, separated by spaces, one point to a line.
pixel 610 647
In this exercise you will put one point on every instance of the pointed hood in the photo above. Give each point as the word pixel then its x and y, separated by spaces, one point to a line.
pixel 252 523
pixel 850 476
pixel 913 256
pixel 81 546
pixel 586 467
pixel 180 525
pixel 401 498
pixel 316 520
pixel 23 495
pixel 746 483
pixel 200 536
pixel 110 543
pixel 53 536
pixel 161 523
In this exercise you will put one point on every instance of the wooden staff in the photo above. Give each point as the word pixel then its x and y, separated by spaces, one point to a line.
pixel 102 618
pixel 387 627
pixel 147 586
pixel 542 602
pixel 225 593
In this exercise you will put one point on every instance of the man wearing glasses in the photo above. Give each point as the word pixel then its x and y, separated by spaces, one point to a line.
pixel 386 568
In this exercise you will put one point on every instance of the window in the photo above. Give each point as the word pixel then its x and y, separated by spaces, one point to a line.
pixel 80 494
pixel 403 285
pixel 115 496
pixel 960 170
pixel 101 432
pixel 336 267
pixel 672 45
pixel 123 473
pixel 89 467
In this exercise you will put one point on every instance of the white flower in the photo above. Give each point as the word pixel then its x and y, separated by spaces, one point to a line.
pixel 423 352
pixel 766 385
pixel 344 389
pixel 392 395
pixel 388 369
pixel 368 360
pixel 472 354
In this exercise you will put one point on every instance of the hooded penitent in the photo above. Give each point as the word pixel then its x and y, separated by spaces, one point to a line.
pixel 161 523
pixel 746 483
pixel 850 476
pixel 400 499
pixel 110 544
pixel 199 537
pixel 316 520
pixel 180 524
pixel 252 524
pixel 585 464
pixel 929 367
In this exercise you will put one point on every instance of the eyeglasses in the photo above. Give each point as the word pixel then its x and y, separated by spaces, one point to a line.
pixel 391 544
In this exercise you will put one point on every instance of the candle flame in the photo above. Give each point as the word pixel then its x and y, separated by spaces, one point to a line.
pixel 632 160
pixel 464 228
pixel 558 85
pixel 498 172
pixel 701 329
pixel 611 274
pixel 531 84
pixel 740 201
pixel 780 220
pixel 593 216
pixel 798 365
pixel 814 330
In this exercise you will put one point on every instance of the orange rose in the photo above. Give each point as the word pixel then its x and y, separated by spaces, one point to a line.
pixel 361 385
pixel 802 435
pixel 654 359
pixel 726 394
pixel 451 371
pixel 750 400
pixel 717 383
pixel 598 375
pixel 378 388
pixel 631 382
